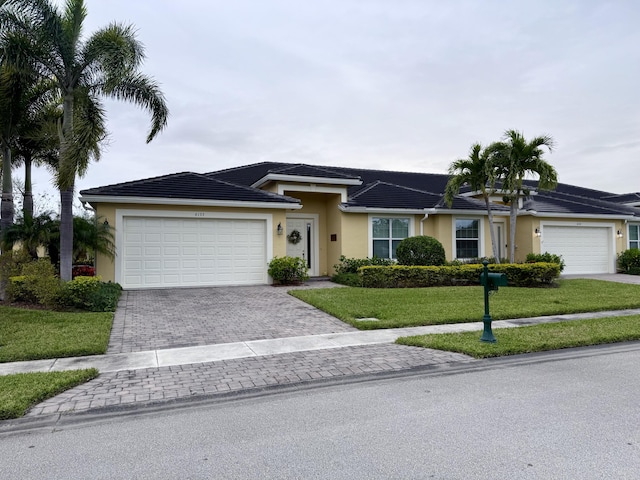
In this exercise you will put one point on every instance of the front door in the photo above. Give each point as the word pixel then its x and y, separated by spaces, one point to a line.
pixel 300 239
pixel 500 239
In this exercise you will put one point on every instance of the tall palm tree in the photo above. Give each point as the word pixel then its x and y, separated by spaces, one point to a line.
pixel 477 172
pixel 37 142
pixel 518 158
pixel 12 86
pixel 105 64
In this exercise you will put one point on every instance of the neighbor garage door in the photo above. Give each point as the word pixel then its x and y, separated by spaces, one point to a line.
pixel 585 250
pixel 170 252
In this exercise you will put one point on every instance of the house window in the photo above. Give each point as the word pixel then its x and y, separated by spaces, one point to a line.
pixel 387 233
pixel 467 238
pixel 634 236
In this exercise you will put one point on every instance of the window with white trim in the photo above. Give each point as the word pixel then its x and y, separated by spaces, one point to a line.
pixel 467 238
pixel 634 235
pixel 387 233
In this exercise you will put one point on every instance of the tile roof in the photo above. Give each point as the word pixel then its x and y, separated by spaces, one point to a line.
pixel 187 185
pixel 379 189
pixel 412 190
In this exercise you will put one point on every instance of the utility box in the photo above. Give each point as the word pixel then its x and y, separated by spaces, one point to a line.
pixel 495 280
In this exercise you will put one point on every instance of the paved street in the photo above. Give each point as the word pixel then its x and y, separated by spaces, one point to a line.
pixel 559 415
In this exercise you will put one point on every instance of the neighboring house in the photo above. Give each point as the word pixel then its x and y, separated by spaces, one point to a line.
pixel 223 228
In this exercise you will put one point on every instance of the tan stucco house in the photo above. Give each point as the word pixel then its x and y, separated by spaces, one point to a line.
pixel 224 227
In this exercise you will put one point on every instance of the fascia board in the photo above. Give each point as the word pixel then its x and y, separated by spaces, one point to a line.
pixel 441 211
pixel 278 177
pixel 578 215
pixel 412 211
pixel 187 201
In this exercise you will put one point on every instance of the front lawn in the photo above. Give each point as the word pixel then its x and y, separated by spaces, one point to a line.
pixel 537 338
pixel 21 391
pixel 36 334
pixel 431 306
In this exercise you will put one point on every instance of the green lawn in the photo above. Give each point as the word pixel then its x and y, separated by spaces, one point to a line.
pixel 431 306
pixel 21 391
pixel 27 334
pixel 537 338
pixel 35 334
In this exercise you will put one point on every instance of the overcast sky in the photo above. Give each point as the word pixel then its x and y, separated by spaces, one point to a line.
pixel 394 84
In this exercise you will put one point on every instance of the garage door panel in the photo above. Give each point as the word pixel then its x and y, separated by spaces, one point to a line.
pixel 173 252
pixel 585 250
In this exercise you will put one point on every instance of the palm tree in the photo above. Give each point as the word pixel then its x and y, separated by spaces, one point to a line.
pixel 517 158
pixel 12 86
pixel 37 142
pixel 91 236
pixel 106 63
pixel 32 233
pixel 475 171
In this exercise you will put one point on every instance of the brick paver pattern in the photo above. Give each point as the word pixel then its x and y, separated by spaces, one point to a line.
pixel 209 379
pixel 172 318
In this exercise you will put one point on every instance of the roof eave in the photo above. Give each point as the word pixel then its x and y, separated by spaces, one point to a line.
pixel 275 177
pixel 411 211
pixel 93 199
pixel 452 211
pixel 579 215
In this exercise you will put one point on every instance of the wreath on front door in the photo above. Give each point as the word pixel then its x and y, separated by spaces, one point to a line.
pixel 294 237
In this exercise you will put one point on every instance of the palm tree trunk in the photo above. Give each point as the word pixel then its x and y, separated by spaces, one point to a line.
pixel 494 244
pixel 66 181
pixel 66 233
pixel 6 204
pixel 27 198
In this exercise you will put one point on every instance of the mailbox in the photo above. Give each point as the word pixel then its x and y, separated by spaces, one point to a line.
pixel 495 280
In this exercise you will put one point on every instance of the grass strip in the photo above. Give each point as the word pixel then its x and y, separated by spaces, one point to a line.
pixel 408 307
pixel 536 338
pixel 36 334
pixel 21 391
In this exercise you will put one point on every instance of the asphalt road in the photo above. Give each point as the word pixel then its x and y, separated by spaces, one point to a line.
pixel 568 415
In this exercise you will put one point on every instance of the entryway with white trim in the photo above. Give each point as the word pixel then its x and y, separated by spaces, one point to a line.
pixel 307 247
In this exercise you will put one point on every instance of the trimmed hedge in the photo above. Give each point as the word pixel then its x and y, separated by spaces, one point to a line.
pixel 518 275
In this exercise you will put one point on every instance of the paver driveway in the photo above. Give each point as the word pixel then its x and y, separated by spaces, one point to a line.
pixel 169 318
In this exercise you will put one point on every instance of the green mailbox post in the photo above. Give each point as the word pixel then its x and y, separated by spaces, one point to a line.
pixel 490 282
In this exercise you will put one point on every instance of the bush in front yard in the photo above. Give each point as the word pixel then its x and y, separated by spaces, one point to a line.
pixel 545 257
pixel 349 279
pixel 420 250
pixel 400 276
pixel 288 270
pixel 91 294
pixel 629 261
pixel 351 265
pixel 36 283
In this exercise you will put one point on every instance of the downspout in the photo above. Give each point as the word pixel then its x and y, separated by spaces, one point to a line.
pixel 426 215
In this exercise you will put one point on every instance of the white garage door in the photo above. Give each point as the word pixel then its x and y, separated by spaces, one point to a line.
pixel 169 252
pixel 585 250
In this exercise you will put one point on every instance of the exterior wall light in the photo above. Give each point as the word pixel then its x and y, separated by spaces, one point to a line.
pixel 619 233
pixel 279 229
pixel 538 232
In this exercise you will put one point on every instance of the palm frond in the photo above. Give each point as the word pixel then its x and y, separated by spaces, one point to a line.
pixel 144 92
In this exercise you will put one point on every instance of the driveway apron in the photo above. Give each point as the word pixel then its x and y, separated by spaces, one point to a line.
pixel 181 317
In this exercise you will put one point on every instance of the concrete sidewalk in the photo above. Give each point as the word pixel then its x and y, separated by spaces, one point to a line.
pixel 258 348
pixel 150 378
